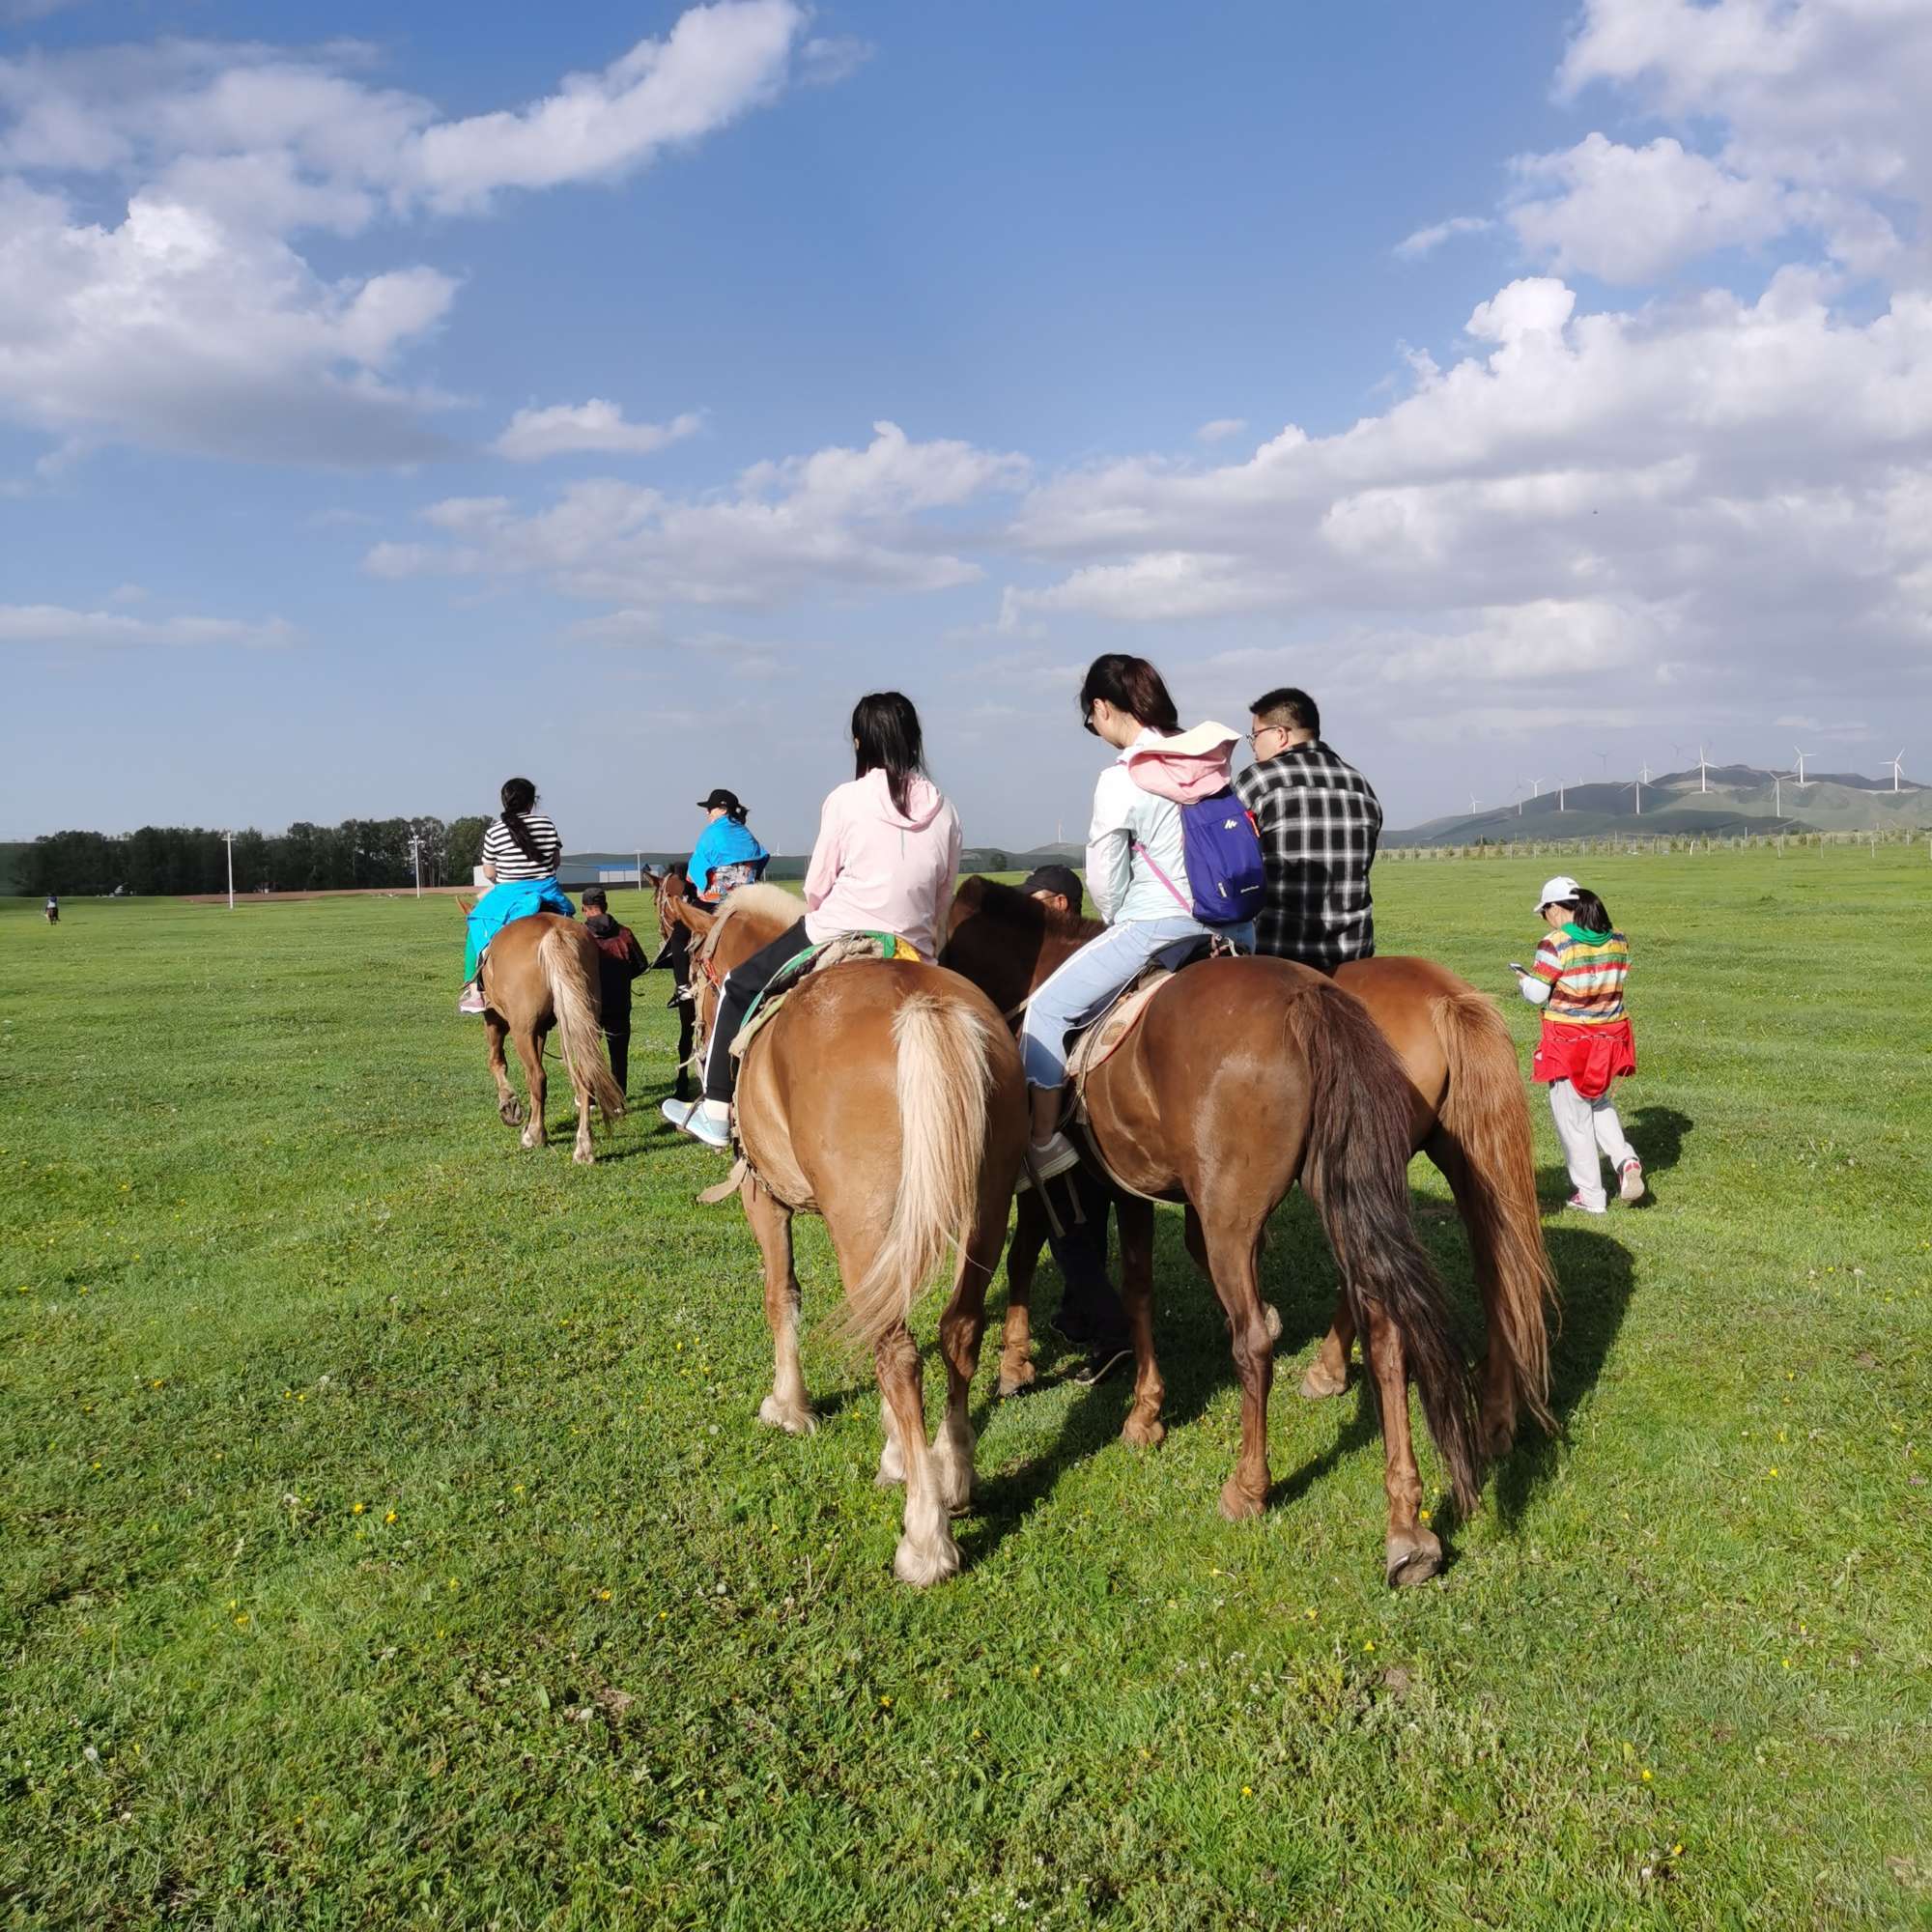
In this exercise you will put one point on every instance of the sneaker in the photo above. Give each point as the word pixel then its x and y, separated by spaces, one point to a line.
pixel 692 1118
pixel 471 1000
pixel 1630 1185
pixel 1052 1157
pixel 1100 1364
pixel 1577 1202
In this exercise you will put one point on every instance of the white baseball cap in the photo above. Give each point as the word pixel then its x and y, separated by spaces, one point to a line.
pixel 1561 887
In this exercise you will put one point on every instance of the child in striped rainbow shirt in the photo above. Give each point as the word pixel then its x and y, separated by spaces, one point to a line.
pixel 1578 978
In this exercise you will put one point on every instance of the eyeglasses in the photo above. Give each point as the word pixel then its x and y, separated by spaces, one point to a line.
pixel 1254 739
pixel 1087 724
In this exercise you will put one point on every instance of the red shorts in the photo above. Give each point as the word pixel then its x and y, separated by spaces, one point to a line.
pixel 1588 1057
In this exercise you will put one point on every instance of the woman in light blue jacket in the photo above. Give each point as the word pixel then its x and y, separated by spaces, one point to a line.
pixel 1136 870
pixel 728 852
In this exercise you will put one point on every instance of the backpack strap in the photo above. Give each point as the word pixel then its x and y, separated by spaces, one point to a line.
pixel 1182 903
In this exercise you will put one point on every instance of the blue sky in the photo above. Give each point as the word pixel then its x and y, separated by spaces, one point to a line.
pixel 357 451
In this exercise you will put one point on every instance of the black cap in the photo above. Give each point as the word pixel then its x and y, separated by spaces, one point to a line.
pixel 728 799
pixel 1060 879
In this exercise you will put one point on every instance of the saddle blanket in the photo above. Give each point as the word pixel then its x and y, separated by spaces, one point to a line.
pixel 836 951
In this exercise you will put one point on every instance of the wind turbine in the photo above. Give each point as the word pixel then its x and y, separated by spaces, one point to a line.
pixel 1475 805
pixel 1777 779
pixel 1602 766
pixel 1536 787
pixel 1896 767
pixel 1559 794
pixel 1801 756
pixel 1636 785
pixel 1703 768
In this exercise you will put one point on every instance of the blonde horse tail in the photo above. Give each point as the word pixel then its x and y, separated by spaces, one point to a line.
pixel 944 1077
pixel 1488 1117
pixel 570 999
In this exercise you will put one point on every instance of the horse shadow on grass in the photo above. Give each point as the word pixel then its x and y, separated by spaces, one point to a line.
pixel 1595 1277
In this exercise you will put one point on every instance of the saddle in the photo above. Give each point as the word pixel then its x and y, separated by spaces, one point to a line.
pixel 786 981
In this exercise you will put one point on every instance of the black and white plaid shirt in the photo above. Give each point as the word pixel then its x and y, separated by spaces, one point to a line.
pixel 1320 820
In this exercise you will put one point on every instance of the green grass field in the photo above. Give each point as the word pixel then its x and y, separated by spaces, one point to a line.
pixel 387 1536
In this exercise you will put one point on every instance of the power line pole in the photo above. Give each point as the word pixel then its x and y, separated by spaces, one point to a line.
pixel 229 836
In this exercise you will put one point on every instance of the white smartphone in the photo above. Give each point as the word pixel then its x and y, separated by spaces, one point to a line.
pixel 1521 971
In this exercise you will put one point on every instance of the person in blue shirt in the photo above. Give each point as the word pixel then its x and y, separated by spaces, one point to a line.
pixel 727 853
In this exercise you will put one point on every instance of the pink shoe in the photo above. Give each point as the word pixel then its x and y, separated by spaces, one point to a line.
pixel 1577 1202
pixel 472 1001
pixel 1630 1184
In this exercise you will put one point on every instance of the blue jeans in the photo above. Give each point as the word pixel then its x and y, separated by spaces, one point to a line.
pixel 1079 988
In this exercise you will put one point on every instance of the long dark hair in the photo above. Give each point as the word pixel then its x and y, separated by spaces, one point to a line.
pixel 1131 685
pixel 519 795
pixel 1588 912
pixel 886 731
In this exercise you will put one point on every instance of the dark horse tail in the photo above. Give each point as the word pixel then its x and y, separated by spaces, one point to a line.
pixel 1357 1173
pixel 1486 1115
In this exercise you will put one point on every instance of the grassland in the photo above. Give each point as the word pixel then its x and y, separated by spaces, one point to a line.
pixel 385 1535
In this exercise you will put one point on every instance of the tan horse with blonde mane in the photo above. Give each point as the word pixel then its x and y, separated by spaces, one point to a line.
pixel 1245 1075
pixel 538 973
pixel 887 1097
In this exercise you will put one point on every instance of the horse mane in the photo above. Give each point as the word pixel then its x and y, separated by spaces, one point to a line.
pixel 772 902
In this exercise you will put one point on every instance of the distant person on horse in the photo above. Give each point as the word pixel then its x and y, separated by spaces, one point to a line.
pixel 1578 978
pixel 619 962
pixel 53 908
pixel 887 855
pixel 521 854
pixel 727 853
pixel 1320 822
pixel 1172 860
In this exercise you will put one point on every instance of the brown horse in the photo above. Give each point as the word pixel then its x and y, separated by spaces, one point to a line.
pixel 1245 1075
pixel 540 973
pixel 887 1097
pixel 1468 1113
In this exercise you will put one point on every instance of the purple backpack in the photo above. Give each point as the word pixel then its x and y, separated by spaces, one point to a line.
pixel 1223 854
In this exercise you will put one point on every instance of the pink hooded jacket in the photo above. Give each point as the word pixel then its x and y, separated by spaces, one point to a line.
pixel 1187 767
pixel 878 869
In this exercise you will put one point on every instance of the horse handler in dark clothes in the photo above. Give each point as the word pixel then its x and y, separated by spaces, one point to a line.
pixel 619 962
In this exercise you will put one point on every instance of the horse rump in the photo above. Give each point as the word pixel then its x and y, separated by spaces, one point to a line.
pixel 572 981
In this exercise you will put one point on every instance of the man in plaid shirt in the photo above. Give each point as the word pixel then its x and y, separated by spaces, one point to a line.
pixel 1320 820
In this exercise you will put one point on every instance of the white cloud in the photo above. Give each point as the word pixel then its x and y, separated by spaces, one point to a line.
pixel 717 63
pixel 839 521
pixel 1221 429
pixel 1426 240
pixel 1816 108
pixel 1631 214
pixel 52 624
pixel 191 321
pixel 597 426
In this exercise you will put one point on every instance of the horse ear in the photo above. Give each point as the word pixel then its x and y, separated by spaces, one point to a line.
pixel 969 897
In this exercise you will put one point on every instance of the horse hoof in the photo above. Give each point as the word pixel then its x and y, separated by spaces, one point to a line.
pixel 798 1421
pixel 920 1564
pixel 511 1114
pixel 531 1141
pixel 1236 1504
pixel 1271 1315
pixel 583 1157
pixel 1021 1376
pixel 1322 1381
pixel 1498 1440
pixel 1148 1434
pixel 1412 1556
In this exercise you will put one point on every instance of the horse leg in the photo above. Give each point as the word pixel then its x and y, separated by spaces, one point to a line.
pixel 1143 1425
pixel 962 1329
pixel 1016 1369
pixel 531 1052
pixel 509 1109
pixel 1328 1373
pixel 1234 1248
pixel 926 1551
pixel 1197 1248
pixel 1497 1412
pixel 582 1151
pixel 787 1406
pixel 1412 1553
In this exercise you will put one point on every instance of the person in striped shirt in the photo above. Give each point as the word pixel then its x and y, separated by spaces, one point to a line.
pixel 521 854
pixel 1578 978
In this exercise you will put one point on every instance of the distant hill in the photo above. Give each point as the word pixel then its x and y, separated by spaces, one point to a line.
pixel 1729 800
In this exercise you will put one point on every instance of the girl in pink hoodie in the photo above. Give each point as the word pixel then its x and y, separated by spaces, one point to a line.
pixel 887 856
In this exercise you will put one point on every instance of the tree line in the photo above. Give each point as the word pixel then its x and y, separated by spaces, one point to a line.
pixel 176 859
